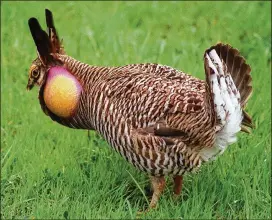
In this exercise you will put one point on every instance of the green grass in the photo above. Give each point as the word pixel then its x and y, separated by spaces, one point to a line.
pixel 49 171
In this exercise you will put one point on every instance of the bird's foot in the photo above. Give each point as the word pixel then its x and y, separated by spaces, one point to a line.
pixel 144 212
pixel 176 197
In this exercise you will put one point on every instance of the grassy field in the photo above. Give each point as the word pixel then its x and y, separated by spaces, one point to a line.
pixel 49 171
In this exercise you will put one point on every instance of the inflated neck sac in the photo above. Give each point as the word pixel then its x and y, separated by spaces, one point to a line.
pixel 62 92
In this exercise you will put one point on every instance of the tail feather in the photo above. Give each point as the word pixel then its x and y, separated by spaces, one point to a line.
pixel 229 83
pixel 240 73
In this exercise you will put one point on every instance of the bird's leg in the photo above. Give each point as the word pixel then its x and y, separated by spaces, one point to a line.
pixel 158 185
pixel 89 136
pixel 177 185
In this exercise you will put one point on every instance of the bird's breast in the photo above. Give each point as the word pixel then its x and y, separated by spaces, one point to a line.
pixel 62 92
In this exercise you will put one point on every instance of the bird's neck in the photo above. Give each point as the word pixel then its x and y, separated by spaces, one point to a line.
pixel 85 73
pixel 66 86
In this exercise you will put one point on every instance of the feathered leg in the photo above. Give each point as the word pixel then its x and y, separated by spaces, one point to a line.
pixel 158 185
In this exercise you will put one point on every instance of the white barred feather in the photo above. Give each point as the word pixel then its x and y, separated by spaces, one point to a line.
pixel 227 106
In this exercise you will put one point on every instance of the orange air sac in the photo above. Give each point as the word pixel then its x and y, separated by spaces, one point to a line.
pixel 62 92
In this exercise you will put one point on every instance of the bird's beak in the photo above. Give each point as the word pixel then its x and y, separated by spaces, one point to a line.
pixel 30 84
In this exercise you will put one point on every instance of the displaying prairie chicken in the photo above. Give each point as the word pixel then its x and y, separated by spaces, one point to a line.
pixel 159 119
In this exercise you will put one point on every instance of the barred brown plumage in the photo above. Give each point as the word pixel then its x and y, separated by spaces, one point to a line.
pixel 161 120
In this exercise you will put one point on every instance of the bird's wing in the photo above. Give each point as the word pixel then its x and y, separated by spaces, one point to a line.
pixel 151 93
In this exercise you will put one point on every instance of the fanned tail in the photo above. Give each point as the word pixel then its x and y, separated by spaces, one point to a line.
pixel 229 83
pixel 239 70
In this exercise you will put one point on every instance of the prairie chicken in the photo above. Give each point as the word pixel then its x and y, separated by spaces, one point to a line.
pixel 161 120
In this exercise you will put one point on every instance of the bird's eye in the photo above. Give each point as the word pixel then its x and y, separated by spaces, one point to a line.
pixel 35 73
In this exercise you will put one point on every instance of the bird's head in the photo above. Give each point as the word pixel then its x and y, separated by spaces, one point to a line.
pixel 47 45
pixel 37 74
pixel 60 89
